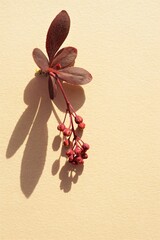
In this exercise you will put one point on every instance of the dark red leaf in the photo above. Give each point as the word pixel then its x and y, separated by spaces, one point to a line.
pixel 52 87
pixel 75 75
pixel 65 57
pixel 57 33
pixel 40 59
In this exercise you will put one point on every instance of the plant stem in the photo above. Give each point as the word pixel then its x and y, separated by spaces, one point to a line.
pixel 69 106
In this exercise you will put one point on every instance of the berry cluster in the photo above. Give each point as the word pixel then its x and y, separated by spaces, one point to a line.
pixel 77 148
pixel 77 154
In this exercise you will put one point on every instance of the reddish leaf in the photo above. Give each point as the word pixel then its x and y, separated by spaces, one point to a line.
pixel 57 33
pixel 65 57
pixel 40 59
pixel 52 87
pixel 75 75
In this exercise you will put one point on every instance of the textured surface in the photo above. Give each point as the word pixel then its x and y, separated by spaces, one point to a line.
pixel 117 194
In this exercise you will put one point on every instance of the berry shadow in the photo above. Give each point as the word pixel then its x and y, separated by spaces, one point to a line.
pixel 68 174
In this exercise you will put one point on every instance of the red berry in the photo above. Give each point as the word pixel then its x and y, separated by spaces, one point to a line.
pixel 70 152
pixel 81 162
pixel 85 146
pixel 71 158
pixel 81 125
pixel 84 155
pixel 77 151
pixel 67 132
pixel 58 66
pixel 61 127
pixel 79 159
pixel 74 162
pixel 66 142
pixel 78 119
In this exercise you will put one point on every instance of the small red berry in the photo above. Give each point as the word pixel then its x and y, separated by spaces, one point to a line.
pixel 70 152
pixel 58 66
pixel 67 132
pixel 81 125
pixel 81 162
pixel 84 155
pixel 71 158
pixel 78 119
pixel 61 127
pixel 85 146
pixel 74 162
pixel 79 159
pixel 66 142
pixel 77 151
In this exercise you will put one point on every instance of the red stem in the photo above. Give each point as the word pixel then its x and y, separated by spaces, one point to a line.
pixel 69 106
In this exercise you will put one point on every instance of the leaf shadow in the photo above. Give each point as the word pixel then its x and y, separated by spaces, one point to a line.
pixel 32 127
pixel 75 94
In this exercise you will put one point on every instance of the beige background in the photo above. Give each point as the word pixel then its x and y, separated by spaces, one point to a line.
pixel 117 194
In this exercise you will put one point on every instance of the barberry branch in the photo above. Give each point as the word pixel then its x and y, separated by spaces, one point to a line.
pixel 77 148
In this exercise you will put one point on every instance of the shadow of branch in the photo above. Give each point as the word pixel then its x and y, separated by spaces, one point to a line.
pixel 32 127
pixel 35 151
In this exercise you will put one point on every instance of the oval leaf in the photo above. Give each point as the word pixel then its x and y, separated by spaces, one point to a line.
pixel 57 33
pixel 40 59
pixel 65 57
pixel 52 87
pixel 75 75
